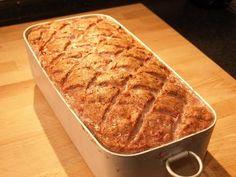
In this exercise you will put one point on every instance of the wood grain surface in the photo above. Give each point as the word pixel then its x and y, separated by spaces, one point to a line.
pixel 34 144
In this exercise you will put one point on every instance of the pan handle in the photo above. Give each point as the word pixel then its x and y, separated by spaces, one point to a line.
pixel 180 156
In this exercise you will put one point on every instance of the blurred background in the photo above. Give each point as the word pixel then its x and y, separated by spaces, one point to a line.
pixel 209 24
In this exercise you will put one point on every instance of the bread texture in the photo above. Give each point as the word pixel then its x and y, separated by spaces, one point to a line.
pixel 128 99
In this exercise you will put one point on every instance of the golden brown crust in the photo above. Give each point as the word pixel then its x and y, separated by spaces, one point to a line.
pixel 122 118
pixel 128 99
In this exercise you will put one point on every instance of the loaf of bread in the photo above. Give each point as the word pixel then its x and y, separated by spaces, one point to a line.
pixel 127 98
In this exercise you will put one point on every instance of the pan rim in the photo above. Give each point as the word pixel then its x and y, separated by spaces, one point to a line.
pixel 25 34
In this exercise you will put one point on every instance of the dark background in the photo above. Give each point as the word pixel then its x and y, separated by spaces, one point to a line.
pixel 208 24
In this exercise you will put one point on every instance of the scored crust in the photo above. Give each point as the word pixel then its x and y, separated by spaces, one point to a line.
pixel 128 99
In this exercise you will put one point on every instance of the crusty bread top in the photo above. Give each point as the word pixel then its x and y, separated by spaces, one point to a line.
pixel 128 99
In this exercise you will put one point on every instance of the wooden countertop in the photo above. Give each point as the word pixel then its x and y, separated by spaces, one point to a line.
pixel 34 144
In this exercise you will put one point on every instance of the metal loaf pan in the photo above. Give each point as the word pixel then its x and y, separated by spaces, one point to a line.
pixel 102 162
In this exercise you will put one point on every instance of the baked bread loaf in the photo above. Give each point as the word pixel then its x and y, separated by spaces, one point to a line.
pixel 128 99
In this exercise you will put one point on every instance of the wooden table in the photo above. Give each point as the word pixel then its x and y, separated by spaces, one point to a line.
pixel 34 144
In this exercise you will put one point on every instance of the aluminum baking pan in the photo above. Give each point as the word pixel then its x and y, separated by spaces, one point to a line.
pixel 150 163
